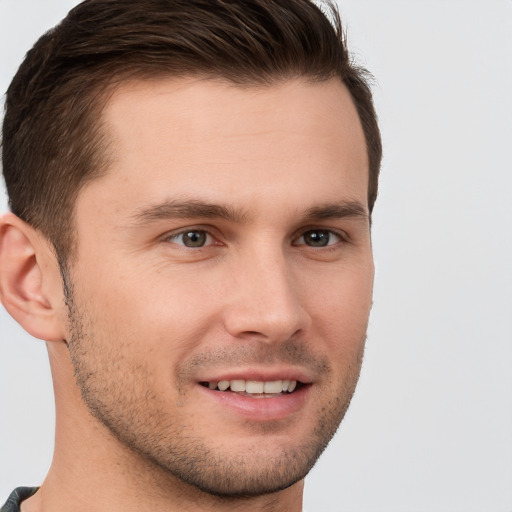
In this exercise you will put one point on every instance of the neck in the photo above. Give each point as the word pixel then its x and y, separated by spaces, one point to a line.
pixel 58 494
pixel 101 489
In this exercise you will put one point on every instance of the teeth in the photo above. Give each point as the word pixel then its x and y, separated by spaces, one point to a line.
pixel 223 385
pixel 273 387
pixel 255 387
pixel 237 385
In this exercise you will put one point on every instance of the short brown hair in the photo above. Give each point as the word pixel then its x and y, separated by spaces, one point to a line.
pixel 52 137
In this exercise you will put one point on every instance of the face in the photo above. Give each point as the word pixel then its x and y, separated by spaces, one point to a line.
pixel 222 285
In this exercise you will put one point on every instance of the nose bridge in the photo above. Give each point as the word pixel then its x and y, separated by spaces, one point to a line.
pixel 267 301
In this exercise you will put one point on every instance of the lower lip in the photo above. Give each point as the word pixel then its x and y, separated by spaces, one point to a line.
pixel 261 409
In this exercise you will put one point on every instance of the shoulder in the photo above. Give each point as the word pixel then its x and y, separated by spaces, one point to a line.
pixel 17 496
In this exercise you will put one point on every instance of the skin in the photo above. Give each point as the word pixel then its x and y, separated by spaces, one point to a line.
pixel 148 318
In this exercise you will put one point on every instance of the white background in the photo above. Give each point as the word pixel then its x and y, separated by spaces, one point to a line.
pixel 430 427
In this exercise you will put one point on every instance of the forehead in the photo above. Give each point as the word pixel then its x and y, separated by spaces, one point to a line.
pixel 192 137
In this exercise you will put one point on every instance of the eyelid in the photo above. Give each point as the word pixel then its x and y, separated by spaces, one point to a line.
pixel 172 236
pixel 342 235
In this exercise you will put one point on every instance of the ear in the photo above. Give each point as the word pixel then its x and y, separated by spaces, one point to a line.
pixel 30 281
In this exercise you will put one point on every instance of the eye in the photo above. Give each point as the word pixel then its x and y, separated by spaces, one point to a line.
pixel 318 238
pixel 191 238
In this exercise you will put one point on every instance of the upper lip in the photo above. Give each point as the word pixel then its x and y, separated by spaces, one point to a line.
pixel 260 375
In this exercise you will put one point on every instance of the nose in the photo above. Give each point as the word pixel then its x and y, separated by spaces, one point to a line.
pixel 265 300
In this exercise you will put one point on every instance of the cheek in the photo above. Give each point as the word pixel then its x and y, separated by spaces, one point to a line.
pixel 339 312
pixel 155 315
pixel 341 301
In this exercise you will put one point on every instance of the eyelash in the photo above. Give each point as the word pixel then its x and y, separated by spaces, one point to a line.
pixel 175 236
pixel 341 238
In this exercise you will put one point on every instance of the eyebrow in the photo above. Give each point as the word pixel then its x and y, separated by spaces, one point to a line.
pixel 172 209
pixel 351 209
pixel 191 209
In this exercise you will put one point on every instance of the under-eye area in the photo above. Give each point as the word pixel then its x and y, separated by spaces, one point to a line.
pixel 263 389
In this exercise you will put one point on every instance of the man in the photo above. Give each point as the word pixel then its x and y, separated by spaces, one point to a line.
pixel 191 186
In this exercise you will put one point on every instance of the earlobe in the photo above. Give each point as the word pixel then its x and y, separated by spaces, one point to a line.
pixel 27 288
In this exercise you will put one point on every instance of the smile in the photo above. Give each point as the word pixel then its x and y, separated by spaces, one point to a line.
pixel 257 400
pixel 254 388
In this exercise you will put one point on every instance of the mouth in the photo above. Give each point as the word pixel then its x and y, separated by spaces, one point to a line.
pixel 256 394
pixel 255 388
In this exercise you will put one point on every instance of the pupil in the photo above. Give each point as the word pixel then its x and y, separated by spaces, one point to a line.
pixel 317 238
pixel 194 238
